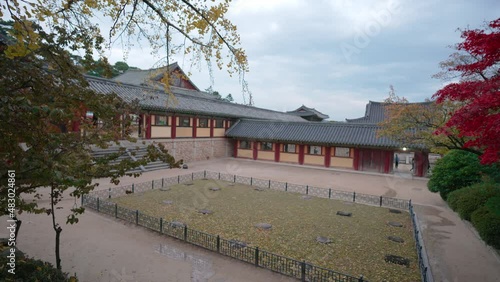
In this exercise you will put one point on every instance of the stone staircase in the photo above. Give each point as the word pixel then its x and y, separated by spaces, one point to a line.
pixel 135 152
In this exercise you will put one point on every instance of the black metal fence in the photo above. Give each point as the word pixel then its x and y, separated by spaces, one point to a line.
pixel 291 267
pixel 423 262
pixel 231 248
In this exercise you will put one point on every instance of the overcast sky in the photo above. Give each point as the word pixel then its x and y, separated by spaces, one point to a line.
pixel 335 56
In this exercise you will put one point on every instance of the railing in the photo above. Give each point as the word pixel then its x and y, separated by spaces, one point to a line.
pixel 231 248
pixel 287 266
pixel 423 262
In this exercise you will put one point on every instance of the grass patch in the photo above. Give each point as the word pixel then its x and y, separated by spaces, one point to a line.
pixel 359 242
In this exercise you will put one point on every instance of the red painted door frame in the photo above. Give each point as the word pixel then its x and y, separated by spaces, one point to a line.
pixel 195 119
pixel 235 148
pixel 301 154
pixel 173 127
pixel 148 126
pixel 355 162
pixel 328 156
pixel 255 152
pixel 277 152
pixel 211 127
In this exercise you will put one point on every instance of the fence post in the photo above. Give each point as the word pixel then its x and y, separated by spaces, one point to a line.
pixel 185 232
pixel 97 204
pixel 161 225
pixel 307 189
pixel 178 179
pixel 218 243
pixel 152 184
pixel 330 193
pixel 204 174
pixel 251 181
pixel 116 210
pixel 219 175
pixel 361 278
pixel 192 176
pixel 235 178
pixel 256 256
pixel 380 200
pixel 286 186
pixel 133 189
pixel 109 193
pixel 269 184
pixel 354 197
pixel 137 217
pixel 162 182
pixel 303 271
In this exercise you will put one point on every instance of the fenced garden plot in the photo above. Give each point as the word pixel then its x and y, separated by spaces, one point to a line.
pixel 358 243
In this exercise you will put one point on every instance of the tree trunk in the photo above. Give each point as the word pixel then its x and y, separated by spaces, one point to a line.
pixel 56 227
pixel 18 225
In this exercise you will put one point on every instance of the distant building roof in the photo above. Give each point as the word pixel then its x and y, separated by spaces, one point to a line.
pixel 306 112
pixel 152 77
pixel 321 133
pixel 184 101
pixel 375 113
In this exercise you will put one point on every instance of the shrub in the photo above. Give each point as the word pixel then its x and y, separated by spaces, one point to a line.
pixel 459 169
pixel 28 269
pixel 466 200
pixel 486 220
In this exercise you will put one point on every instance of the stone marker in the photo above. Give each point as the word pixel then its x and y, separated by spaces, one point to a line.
pixel 237 244
pixel 264 226
pixel 397 260
pixel 177 224
pixel 204 211
pixel 395 224
pixel 323 240
pixel 306 197
pixel 214 188
pixel 343 213
pixel 189 183
pixel 168 202
pixel 394 211
pixel 165 189
pixel 396 239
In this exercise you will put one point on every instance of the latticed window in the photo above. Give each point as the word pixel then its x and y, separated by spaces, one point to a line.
pixel 266 146
pixel 244 144
pixel 314 150
pixel 341 152
pixel 203 122
pixel 184 122
pixel 289 148
pixel 161 120
pixel 219 123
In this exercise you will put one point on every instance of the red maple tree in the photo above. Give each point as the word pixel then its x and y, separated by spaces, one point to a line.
pixel 478 91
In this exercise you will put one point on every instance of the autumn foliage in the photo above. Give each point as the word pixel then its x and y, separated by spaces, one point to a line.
pixel 477 92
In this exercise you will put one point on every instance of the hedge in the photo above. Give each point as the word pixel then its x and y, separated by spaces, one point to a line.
pixel 486 220
pixel 467 200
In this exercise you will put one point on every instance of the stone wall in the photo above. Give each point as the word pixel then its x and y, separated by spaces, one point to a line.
pixel 198 149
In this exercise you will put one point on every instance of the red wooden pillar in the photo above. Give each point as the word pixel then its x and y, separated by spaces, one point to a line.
pixel 301 154
pixel 235 148
pixel 388 161
pixel 255 145
pixel 195 121
pixel 148 126
pixel 355 161
pixel 173 128
pixel 277 147
pixel 421 163
pixel 211 127
pixel 328 156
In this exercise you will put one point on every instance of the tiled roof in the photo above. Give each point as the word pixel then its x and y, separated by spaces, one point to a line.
pixel 150 77
pixel 321 133
pixel 308 112
pixel 375 113
pixel 157 100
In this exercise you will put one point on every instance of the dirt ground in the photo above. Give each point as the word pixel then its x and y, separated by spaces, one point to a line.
pixel 103 249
